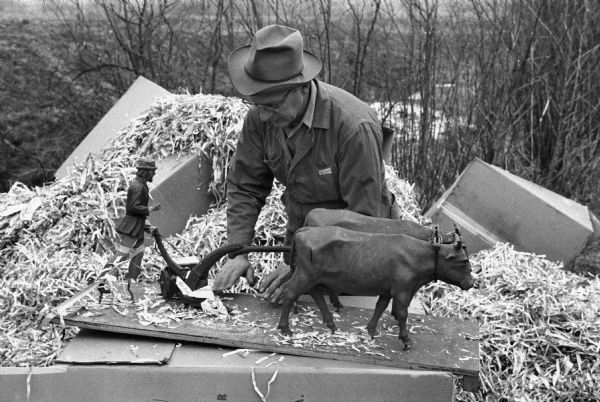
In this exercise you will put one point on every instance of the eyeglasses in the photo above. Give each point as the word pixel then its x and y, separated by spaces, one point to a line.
pixel 271 108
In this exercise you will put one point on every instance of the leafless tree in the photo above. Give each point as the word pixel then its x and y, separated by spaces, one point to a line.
pixel 511 82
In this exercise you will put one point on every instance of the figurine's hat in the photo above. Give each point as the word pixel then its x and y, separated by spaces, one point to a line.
pixel 146 164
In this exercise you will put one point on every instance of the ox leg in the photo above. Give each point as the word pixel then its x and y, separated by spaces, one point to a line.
pixel 380 306
pixel 333 297
pixel 290 292
pixel 400 312
pixel 284 319
pixel 335 300
pixel 317 295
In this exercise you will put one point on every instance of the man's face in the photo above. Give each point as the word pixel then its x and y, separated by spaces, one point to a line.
pixel 279 107
pixel 151 174
pixel 148 174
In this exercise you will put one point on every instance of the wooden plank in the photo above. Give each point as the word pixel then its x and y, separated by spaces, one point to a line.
pixel 438 343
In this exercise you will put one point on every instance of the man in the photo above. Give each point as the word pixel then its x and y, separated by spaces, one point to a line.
pixel 319 141
pixel 131 227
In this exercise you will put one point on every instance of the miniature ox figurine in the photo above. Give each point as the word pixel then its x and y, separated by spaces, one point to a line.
pixel 347 219
pixel 392 266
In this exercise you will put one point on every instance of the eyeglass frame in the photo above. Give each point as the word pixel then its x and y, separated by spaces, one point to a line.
pixel 270 108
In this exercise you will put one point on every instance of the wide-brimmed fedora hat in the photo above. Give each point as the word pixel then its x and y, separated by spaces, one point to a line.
pixel 146 164
pixel 275 57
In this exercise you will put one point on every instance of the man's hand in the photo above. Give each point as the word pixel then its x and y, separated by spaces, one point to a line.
pixel 273 280
pixel 231 271
pixel 155 207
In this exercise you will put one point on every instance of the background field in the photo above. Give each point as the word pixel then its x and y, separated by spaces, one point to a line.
pixel 511 82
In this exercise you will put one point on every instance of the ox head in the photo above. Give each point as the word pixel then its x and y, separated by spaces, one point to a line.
pixel 456 268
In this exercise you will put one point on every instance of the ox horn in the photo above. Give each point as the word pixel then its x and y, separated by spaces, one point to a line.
pixel 457 238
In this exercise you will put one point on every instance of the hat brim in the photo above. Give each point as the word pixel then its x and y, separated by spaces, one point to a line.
pixel 247 85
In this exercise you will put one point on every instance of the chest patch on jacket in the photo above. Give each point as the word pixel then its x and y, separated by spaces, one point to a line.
pixel 325 171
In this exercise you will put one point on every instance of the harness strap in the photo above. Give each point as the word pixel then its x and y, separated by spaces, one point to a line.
pixel 436 242
pixel 435 266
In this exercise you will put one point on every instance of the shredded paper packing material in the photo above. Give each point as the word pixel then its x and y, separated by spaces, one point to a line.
pixel 202 293
pixel 214 306
pixel 539 324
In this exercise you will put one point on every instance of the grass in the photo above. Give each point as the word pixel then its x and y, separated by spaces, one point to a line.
pixel 40 120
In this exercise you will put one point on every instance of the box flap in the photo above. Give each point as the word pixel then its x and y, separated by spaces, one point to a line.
pixel 95 347
pixel 139 97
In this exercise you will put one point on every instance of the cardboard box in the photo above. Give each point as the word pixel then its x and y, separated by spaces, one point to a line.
pixel 475 236
pixel 134 102
pixel 491 204
pixel 209 373
pixel 181 188
pixel 180 184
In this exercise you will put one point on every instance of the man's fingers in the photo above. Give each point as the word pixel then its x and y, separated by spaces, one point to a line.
pixel 250 275
pixel 266 281
pixel 224 279
pixel 270 283
pixel 231 272
pixel 272 287
pixel 277 297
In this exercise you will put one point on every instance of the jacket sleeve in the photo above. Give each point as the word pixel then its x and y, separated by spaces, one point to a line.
pixel 361 172
pixel 249 182
pixel 137 200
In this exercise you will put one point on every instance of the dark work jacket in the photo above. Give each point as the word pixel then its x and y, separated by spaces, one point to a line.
pixel 136 209
pixel 340 166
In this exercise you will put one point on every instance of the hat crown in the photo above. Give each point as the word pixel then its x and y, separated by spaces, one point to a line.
pixel 146 164
pixel 276 57
pixel 276 54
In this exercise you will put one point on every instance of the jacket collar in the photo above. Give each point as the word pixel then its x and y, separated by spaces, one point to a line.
pixel 322 111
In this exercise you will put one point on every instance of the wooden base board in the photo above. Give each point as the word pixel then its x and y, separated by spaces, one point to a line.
pixel 440 344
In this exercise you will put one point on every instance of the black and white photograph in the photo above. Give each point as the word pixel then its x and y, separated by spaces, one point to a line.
pixel 300 200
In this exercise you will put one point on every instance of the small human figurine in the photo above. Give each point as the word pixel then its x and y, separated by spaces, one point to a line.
pixel 131 227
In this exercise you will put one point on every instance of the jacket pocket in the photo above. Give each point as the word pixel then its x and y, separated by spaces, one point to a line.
pixel 325 181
